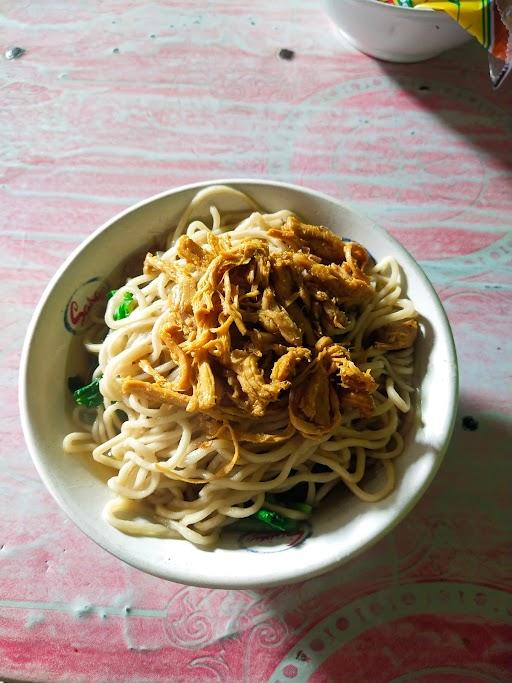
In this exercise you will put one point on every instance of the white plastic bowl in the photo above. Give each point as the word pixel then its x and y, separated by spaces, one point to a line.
pixel 344 526
pixel 395 34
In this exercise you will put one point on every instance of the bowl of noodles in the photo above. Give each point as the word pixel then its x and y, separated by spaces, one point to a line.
pixel 251 384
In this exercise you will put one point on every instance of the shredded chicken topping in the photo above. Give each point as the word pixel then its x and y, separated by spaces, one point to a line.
pixel 250 328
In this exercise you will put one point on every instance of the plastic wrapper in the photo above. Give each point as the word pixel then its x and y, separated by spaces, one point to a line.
pixel 489 21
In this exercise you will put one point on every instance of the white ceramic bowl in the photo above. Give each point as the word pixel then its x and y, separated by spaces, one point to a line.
pixel 344 526
pixel 395 34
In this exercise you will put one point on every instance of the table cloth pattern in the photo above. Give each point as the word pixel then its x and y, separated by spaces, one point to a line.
pixel 116 100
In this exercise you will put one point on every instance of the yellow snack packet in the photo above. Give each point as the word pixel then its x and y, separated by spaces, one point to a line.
pixel 489 21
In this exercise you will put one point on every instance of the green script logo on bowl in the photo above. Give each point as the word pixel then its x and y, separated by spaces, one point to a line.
pixel 274 542
pixel 87 303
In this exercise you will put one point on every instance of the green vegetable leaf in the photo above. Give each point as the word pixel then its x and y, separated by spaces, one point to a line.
pixel 90 395
pixel 126 307
pixel 275 520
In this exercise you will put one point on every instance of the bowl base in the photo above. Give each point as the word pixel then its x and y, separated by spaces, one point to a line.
pixel 388 55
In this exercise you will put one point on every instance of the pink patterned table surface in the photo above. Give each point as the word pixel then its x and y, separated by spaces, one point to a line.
pixel 115 100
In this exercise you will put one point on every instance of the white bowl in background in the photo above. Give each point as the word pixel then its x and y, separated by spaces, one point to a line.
pixel 341 528
pixel 395 34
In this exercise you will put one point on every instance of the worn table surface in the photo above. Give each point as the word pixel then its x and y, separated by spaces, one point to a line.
pixel 115 100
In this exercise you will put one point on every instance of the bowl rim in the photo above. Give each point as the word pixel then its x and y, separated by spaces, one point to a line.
pixel 181 577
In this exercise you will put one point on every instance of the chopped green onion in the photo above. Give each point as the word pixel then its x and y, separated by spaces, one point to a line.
pixel 275 520
pixel 90 395
pixel 111 293
pixel 75 383
pixel 126 307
